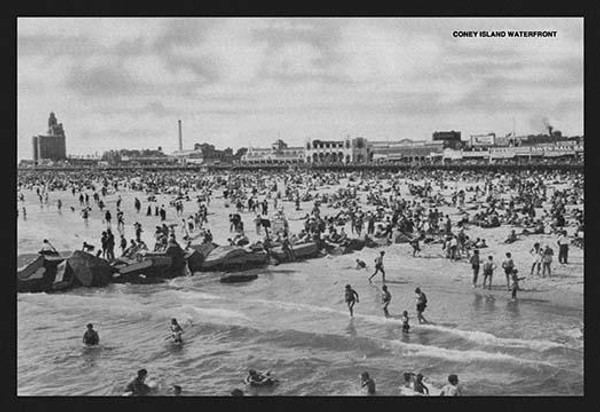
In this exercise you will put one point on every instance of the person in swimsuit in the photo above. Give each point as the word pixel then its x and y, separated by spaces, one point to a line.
pixel 386 297
pixel 351 297
pixel 508 265
pixel 515 283
pixel 177 390
pixel 405 325
pixel 176 331
pixel 90 337
pixel 360 264
pixel 367 382
pixel 379 267
pixel 421 301
pixel 419 386
pixel 137 386
pixel 452 388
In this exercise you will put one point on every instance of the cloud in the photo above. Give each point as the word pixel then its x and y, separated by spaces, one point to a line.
pixel 100 81
pixel 231 78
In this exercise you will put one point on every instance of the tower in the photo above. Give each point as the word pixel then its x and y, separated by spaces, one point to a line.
pixel 180 136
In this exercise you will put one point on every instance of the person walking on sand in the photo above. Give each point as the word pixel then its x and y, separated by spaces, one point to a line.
pixel 475 261
pixel 386 297
pixel 508 265
pixel 488 271
pixel 351 297
pixel 536 254
pixel 547 261
pixel 379 266
pixel 421 302
pixel 563 247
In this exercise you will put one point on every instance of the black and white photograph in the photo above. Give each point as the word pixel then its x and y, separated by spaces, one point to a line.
pixel 300 206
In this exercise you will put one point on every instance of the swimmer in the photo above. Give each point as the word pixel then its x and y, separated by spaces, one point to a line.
pixel 419 386
pixel 368 382
pixel 452 388
pixel 255 378
pixel 137 386
pixel 176 331
pixel 405 325
pixel 90 337
pixel 177 390
pixel 360 264
pixel 237 393
pixel 409 378
pixel 351 297
pixel 386 297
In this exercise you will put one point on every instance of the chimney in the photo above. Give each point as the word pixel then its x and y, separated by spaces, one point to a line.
pixel 180 137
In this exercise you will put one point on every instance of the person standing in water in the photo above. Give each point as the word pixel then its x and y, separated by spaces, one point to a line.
pixel 488 271
pixel 405 325
pixel 90 337
pixel 379 266
pixel 176 331
pixel 351 297
pixel 515 284
pixel 475 261
pixel 386 297
pixel 421 301
pixel 508 265
pixel 419 386
pixel 367 382
pixel 452 388
pixel 137 386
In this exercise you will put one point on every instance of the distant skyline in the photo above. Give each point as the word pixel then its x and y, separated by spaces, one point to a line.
pixel 119 83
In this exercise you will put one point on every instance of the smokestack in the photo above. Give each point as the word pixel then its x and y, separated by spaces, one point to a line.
pixel 549 130
pixel 180 137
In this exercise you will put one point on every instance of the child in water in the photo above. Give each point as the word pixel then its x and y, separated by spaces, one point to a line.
pixel 386 297
pixel 176 331
pixel 405 325
pixel 351 297
pixel 368 382
pixel 515 283
pixel 419 386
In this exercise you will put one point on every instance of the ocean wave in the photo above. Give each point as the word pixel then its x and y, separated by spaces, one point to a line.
pixel 219 313
pixel 414 349
pixel 485 338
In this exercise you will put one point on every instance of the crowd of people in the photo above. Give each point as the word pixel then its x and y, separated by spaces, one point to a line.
pixel 371 203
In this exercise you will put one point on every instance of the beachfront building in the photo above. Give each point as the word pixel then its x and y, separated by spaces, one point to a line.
pixel 346 151
pixel 52 145
pixel 482 140
pixel 450 139
pixel 278 153
pixel 191 156
pixel 406 150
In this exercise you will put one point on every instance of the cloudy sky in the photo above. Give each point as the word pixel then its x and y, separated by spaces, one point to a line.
pixel 124 83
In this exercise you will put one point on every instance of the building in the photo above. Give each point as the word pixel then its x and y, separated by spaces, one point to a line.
pixel 348 150
pixel 193 156
pixel 51 146
pixel 405 150
pixel 278 153
pixel 450 139
pixel 482 140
